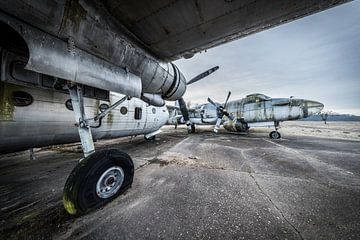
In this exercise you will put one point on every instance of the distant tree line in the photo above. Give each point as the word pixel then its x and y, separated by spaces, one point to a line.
pixel 330 116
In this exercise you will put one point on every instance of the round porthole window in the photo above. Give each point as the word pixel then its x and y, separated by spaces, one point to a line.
pixel 21 99
pixel 68 105
pixel 103 107
pixel 153 110
pixel 123 110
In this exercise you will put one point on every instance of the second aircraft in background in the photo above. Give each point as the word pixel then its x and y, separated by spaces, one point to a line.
pixel 255 110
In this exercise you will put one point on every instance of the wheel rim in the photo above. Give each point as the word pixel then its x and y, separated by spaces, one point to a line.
pixel 275 135
pixel 110 182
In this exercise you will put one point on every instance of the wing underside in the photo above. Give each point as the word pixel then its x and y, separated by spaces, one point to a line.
pixel 172 29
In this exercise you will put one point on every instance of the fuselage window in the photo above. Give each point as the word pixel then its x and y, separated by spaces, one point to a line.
pixel 250 99
pixel 103 107
pixel 21 99
pixel 123 110
pixel 68 105
pixel 138 113
pixel 153 110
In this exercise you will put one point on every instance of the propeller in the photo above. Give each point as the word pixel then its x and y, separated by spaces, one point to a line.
pixel 221 111
pixel 181 101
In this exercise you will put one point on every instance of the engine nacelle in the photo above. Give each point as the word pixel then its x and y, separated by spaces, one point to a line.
pixel 178 87
pixel 163 79
pixel 130 72
pixel 236 126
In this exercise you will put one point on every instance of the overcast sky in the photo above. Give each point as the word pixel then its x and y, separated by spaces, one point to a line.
pixel 316 57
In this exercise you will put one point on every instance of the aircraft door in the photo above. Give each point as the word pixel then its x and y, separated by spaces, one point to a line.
pixel 138 116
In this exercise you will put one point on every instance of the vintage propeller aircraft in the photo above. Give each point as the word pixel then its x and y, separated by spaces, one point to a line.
pixel 96 60
pixel 255 110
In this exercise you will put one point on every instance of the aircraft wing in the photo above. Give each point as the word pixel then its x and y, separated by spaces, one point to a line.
pixel 171 29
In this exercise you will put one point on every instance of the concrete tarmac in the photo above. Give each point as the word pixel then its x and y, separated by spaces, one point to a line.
pixel 200 186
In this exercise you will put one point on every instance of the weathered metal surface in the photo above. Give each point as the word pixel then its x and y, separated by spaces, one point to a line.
pixel 51 56
pixel 77 101
pixel 32 126
pixel 6 107
pixel 153 99
pixel 48 121
pixel 174 29
pixel 82 44
pixel 255 110
pixel 259 109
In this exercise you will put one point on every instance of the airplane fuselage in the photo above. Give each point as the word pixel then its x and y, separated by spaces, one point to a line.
pixel 48 121
pixel 276 109
pixel 256 110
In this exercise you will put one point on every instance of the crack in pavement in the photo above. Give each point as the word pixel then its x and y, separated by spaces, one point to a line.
pixel 276 207
pixel 270 200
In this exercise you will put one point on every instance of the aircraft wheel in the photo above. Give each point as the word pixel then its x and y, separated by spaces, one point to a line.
pixel 275 135
pixel 191 129
pixel 97 180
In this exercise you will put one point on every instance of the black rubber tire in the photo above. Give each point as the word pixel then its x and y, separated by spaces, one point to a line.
pixel 192 128
pixel 275 135
pixel 79 195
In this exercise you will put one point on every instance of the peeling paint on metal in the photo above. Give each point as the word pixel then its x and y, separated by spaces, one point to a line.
pixel 74 14
pixel 7 108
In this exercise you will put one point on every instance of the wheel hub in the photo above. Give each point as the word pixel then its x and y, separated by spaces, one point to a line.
pixel 110 182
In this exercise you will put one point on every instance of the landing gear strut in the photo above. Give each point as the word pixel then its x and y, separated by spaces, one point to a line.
pixel 102 175
pixel 191 128
pixel 275 134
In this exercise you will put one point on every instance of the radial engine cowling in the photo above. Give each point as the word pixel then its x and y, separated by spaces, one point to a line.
pixel 177 88
pixel 235 126
pixel 163 79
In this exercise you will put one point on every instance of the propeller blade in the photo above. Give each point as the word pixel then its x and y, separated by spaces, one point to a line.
pixel 217 125
pixel 202 75
pixel 227 99
pixel 183 109
pixel 211 101
pixel 185 113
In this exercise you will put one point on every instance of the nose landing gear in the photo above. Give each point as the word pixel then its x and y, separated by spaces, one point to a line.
pixel 275 134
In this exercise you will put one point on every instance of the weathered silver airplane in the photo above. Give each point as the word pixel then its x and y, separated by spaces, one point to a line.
pixel 255 110
pixel 96 59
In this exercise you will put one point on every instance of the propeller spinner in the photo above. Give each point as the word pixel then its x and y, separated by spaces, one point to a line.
pixel 221 111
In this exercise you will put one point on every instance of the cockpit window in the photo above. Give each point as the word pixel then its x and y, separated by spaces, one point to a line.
pixel 256 98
